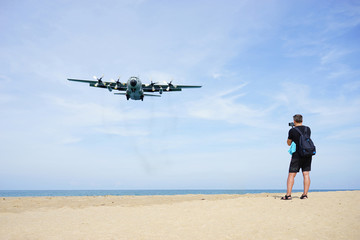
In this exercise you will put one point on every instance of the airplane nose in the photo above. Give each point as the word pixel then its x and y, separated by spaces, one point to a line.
pixel 133 83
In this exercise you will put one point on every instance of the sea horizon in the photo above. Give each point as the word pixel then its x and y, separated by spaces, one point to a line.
pixel 146 192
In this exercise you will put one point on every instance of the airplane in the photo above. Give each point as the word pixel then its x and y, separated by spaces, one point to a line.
pixel 134 89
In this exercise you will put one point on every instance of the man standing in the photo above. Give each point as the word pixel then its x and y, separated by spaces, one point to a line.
pixel 298 161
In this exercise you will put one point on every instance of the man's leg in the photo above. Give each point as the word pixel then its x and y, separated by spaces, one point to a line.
pixel 306 182
pixel 290 182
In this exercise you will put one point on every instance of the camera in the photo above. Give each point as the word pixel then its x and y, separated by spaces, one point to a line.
pixel 291 124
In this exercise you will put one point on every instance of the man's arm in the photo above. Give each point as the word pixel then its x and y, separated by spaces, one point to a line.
pixel 290 136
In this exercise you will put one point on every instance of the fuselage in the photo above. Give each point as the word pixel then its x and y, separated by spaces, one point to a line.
pixel 134 89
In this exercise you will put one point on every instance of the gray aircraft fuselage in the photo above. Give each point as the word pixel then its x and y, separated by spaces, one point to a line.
pixel 134 89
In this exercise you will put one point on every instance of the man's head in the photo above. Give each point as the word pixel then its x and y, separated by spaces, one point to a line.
pixel 298 119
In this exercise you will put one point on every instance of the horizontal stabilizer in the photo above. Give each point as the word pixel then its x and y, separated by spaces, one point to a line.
pixel 151 95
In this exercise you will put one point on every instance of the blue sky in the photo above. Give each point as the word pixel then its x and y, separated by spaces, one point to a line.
pixel 260 62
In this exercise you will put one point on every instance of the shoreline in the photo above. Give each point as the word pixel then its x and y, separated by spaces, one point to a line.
pixel 153 192
pixel 325 215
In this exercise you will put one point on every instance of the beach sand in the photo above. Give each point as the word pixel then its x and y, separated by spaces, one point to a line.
pixel 325 215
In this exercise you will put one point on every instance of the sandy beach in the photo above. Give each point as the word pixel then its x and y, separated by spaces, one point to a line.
pixel 325 215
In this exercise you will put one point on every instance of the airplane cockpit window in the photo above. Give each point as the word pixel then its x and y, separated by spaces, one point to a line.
pixel 133 82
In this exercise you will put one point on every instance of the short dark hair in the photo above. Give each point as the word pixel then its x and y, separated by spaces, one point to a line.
pixel 298 118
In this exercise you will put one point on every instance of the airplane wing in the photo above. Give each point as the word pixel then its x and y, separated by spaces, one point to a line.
pixel 155 87
pixel 187 86
pixel 81 80
pixel 102 84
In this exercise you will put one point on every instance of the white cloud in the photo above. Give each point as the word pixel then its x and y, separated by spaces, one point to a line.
pixel 121 131
pixel 70 140
pixel 352 86
pixel 224 106
pixel 332 56
pixel 92 114
pixel 339 70
pixel 314 34
pixel 333 113
pixel 352 134
pixel 6 98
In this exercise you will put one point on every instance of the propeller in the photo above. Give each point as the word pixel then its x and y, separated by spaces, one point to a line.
pixel 99 80
pixel 117 83
pixel 118 80
pixel 152 85
pixel 170 85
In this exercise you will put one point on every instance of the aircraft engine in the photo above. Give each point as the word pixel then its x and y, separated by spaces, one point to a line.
pixel 170 86
pixel 100 82
pixel 152 84
pixel 117 83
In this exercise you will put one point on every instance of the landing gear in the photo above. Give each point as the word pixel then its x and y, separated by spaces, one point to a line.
pixel 142 98
pixel 127 97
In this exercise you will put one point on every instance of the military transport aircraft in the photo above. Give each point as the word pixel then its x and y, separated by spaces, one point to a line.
pixel 134 89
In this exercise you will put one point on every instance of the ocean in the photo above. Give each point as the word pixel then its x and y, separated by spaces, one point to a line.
pixel 53 193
